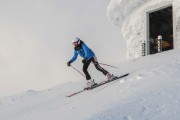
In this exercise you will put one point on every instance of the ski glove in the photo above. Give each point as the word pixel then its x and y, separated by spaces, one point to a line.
pixel 69 63
pixel 84 60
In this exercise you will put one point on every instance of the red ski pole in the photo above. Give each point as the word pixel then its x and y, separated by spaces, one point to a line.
pixel 109 65
pixel 78 71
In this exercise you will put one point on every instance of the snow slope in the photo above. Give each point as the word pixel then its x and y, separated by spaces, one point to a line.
pixel 150 92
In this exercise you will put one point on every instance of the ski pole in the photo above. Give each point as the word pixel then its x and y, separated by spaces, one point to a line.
pixel 78 71
pixel 109 65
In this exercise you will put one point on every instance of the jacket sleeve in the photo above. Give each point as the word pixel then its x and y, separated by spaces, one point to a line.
pixel 86 50
pixel 75 56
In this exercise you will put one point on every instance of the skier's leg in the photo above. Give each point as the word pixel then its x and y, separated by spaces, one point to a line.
pixel 85 67
pixel 108 75
pixel 90 82
pixel 98 67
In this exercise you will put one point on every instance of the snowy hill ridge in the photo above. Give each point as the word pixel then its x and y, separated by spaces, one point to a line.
pixel 150 92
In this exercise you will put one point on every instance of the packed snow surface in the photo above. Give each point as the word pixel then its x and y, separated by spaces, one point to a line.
pixel 150 92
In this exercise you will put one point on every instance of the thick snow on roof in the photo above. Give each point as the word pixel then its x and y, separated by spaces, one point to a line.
pixel 118 10
pixel 130 16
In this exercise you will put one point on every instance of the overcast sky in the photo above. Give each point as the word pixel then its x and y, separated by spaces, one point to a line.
pixel 35 41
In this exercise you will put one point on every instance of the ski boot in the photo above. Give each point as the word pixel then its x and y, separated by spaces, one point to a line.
pixel 89 84
pixel 109 77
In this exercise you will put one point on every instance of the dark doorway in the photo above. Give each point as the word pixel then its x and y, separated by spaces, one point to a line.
pixel 161 23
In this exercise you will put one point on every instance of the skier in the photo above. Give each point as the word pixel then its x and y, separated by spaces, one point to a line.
pixel 84 51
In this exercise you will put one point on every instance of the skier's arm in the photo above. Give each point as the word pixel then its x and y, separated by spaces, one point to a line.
pixel 74 57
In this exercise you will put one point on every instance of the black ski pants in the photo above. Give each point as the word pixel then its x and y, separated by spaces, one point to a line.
pixel 96 64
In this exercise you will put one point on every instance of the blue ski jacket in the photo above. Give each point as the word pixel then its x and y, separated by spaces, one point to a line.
pixel 83 50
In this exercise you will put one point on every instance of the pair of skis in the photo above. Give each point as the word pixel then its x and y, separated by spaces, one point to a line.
pixel 97 85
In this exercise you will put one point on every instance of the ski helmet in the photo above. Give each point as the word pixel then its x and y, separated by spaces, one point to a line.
pixel 76 39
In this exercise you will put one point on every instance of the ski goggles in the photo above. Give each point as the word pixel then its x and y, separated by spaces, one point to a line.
pixel 75 43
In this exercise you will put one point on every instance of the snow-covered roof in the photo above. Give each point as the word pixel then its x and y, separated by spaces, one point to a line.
pixel 130 16
pixel 119 9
